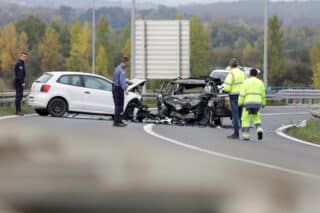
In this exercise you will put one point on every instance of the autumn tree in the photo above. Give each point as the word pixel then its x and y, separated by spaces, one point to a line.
pixel 275 51
pixel 34 27
pixel 315 64
pixel 80 48
pixel 23 45
pixel 50 51
pixel 102 62
pixel 64 36
pixel 104 40
pixel 8 47
pixel 201 52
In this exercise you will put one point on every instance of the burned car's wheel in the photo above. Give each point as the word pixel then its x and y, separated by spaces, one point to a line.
pixel 214 120
pixel 218 121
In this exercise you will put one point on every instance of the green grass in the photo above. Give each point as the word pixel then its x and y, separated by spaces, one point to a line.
pixel 9 109
pixel 309 133
pixel 150 103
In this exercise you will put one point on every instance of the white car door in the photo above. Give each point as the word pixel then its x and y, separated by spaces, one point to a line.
pixel 98 95
pixel 71 87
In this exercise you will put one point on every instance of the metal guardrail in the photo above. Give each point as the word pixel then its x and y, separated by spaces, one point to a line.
pixel 298 96
pixel 9 97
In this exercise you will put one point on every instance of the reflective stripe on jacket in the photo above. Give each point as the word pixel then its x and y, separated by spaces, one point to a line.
pixel 252 93
pixel 234 81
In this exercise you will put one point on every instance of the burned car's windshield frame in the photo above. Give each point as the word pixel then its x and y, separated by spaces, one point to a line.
pixel 193 86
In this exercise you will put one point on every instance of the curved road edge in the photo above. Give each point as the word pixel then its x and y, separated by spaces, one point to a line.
pixel 281 132
pixel 149 130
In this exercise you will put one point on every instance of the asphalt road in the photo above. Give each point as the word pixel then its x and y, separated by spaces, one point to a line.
pixel 179 159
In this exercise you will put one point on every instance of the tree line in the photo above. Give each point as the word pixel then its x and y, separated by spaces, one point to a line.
pixel 294 52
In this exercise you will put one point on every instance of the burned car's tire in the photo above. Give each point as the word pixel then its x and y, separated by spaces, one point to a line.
pixel 214 120
pixel 218 121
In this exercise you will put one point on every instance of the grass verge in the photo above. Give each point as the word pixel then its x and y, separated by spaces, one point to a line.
pixel 309 133
pixel 150 103
pixel 9 109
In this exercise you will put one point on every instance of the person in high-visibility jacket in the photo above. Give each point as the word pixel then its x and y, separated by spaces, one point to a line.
pixel 252 98
pixel 232 85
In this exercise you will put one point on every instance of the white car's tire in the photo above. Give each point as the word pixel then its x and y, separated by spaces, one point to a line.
pixel 57 107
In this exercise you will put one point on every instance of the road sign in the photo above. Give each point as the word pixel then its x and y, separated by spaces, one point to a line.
pixel 162 49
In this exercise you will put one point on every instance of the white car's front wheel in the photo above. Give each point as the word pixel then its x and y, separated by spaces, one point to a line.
pixel 57 107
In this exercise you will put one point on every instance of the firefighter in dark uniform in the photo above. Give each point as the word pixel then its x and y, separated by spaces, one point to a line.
pixel 19 80
pixel 119 89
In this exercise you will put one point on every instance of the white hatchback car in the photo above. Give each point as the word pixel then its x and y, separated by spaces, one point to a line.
pixel 56 93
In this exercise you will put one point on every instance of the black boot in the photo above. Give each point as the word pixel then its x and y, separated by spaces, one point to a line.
pixel 118 124
pixel 234 136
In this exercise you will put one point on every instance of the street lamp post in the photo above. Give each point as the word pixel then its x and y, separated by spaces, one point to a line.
pixel 93 36
pixel 133 39
pixel 265 56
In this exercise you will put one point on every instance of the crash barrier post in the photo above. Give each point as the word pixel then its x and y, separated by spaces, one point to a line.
pixel 9 97
pixel 298 96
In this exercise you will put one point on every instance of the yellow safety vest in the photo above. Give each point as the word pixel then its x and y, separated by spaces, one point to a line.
pixel 234 81
pixel 253 92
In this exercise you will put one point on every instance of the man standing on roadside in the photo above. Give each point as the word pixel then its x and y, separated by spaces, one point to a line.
pixel 19 80
pixel 232 85
pixel 119 89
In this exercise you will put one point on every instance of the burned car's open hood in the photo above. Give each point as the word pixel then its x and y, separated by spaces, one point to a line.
pixel 135 83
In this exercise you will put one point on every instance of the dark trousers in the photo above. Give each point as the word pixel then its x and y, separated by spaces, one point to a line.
pixel 118 98
pixel 236 112
pixel 19 96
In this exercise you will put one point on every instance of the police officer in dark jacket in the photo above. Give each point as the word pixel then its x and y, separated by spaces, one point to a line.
pixel 119 89
pixel 19 80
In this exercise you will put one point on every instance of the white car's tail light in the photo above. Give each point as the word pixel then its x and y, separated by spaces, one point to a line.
pixel 45 88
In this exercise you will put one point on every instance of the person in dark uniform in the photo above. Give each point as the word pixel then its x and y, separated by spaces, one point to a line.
pixel 19 80
pixel 119 89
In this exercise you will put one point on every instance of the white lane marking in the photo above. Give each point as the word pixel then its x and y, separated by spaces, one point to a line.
pixel 286 113
pixel 15 116
pixel 149 129
pixel 280 132
pixel 8 117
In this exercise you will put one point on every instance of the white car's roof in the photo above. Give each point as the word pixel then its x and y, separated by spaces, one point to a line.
pixel 73 73
pixel 133 83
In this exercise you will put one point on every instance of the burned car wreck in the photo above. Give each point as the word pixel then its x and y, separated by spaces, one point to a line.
pixel 193 101
pixel 189 101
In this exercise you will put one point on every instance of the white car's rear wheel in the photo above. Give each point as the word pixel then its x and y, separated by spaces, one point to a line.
pixel 57 107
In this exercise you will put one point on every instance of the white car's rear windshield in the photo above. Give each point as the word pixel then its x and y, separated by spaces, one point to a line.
pixel 44 78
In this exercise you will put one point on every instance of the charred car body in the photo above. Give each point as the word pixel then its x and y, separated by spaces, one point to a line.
pixel 193 101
